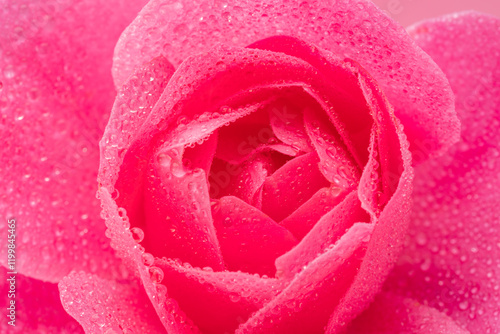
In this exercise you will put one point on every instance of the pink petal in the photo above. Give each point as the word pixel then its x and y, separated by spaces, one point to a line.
pixel 178 222
pixel 307 302
pixel 132 107
pixel 336 162
pixel 389 207
pixel 302 220
pixel 250 241
pixel 201 155
pixel 176 121
pixel 56 91
pixel 126 243
pixel 37 307
pixel 287 122
pixel 393 314
pixel 452 261
pixel 330 228
pixel 355 28
pixel 291 186
pixel 103 306
pixel 217 301
pixel 244 137
pixel 243 180
pixel 338 93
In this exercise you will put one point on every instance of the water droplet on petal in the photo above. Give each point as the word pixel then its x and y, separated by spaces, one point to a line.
pixel 156 274
pixel 137 234
pixel 148 259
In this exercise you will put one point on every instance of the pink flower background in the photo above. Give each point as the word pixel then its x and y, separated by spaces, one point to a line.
pixel 55 98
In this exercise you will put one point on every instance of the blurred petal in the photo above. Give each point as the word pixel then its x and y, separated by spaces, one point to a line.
pixel 452 260
pixel 37 305
pixel 103 306
pixel 394 314
pixel 355 28
pixel 55 95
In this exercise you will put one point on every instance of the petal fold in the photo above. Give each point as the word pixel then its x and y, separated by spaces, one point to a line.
pixel 36 307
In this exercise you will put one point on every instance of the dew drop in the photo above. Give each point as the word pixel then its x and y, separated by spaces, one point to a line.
pixel 331 152
pixel 234 297
pixel 335 191
pixel 421 239
pixel 156 274
pixel 137 234
pixel 148 259
pixel 463 305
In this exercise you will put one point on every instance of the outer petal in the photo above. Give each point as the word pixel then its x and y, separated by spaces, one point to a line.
pixel 217 301
pixel 125 242
pixel 452 261
pixel 38 307
pixel 393 314
pixel 55 93
pixel 354 28
pixel 103 306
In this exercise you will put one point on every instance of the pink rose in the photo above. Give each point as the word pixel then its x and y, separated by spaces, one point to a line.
pixel 257 171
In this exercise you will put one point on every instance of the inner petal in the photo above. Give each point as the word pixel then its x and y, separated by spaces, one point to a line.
pixel 250 240
pixel 291 186
pixel 178 215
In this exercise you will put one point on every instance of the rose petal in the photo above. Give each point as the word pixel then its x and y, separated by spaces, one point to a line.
pixel 201 155
pixel 291 186
pixel 393 314
pixel 37 307
pixel 125 242
pixel 56 91
pixel 242 181
pixel 103 306
pixel 302 220
pixel 178 222
pixel 325 233
pixel 287 121
pixel 250 241
pixel 391 216
pixel 307 302
pixel 336 163
pixel 345 108
pixel 226 93
pixel 132 107
pixel 244 137
pixel 452 261
pixel 356 28
pixel 217 301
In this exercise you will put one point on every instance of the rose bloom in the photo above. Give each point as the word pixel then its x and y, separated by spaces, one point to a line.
pixel 270 166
